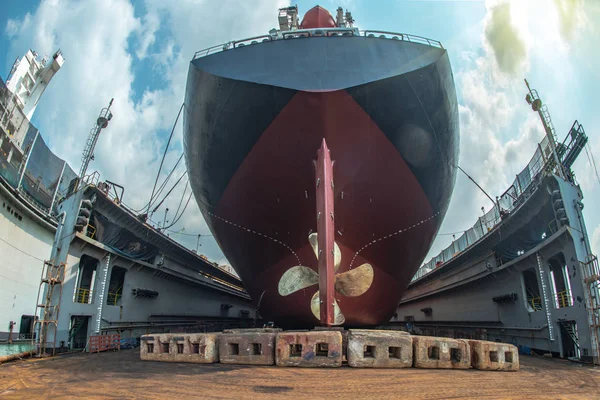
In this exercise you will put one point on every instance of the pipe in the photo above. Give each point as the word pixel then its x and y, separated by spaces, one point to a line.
pixel 12 357
pixel 60 218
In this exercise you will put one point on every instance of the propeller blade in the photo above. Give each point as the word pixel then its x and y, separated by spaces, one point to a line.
pixel 354 282
pixel 297 278
pixel 315 306
pixel 337 254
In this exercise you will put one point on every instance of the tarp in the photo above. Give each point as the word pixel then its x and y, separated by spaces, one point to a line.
pixel 121 240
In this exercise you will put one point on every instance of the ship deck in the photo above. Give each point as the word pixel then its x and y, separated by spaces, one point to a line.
pixel 123 375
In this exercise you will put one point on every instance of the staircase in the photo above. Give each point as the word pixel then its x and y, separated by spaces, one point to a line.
pixel 75 328
pixel 569 328
pixel 572 146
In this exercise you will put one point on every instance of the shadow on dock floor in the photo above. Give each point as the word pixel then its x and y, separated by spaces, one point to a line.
pixel 123 375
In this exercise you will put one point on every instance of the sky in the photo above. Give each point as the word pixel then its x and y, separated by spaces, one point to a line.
pixel 138 53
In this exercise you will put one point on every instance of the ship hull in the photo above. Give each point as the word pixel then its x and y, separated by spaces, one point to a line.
pixel 387 110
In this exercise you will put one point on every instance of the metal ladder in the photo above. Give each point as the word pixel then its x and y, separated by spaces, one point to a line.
pixel 591 278
pixel 50 282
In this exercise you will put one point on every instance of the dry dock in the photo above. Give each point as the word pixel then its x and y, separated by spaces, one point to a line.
pixel 123 375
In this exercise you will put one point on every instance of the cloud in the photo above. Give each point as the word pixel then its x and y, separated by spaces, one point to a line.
pixel 13 26
pixel 493 146
pixel 504 39
pixel 571 17
pixel 147 34
pixel 499 133
pixel 108 45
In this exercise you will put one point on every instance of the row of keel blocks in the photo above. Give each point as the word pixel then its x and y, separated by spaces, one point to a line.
pixel 322 348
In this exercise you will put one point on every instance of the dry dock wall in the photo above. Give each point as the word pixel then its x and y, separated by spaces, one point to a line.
pixel 469 310
pixel 176 301
pixel 24 245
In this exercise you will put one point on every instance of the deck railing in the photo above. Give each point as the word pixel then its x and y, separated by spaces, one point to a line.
pixel 83 296
pixel 536 303
pixel 563 299
pixel 521 189
pixel 317 32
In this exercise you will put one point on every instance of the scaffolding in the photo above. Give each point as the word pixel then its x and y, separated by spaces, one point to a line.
pixel 51 288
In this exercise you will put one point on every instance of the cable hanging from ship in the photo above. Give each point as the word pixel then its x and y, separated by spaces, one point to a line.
pixel 177 218
pixel 153 200
pixel 187 182
pixel 168 193
pixel 164 155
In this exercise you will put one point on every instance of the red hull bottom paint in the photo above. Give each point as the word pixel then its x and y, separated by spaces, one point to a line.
pixel 268 210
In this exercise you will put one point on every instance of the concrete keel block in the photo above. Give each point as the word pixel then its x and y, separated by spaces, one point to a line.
pixel 254 330
pixel 155 347
pixel 254 348
pixel 435 352
pixel 494 356
pixel 199 348
pixel 379 349
pixel 309 349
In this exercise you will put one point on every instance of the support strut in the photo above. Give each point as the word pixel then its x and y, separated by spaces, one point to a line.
pixel 325 233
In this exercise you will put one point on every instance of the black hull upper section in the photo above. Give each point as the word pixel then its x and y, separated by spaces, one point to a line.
pixel 319 64
pixel 406 88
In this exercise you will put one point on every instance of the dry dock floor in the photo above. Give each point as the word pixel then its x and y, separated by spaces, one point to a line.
pixel 123 375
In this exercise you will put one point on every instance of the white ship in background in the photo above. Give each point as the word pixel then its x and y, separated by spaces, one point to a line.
pixel 112 275
pixel 26 194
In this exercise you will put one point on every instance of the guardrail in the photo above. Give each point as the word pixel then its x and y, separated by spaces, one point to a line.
pixel 318 32
pixel 521 189
pixel 113 298
pixel 83 296
pixel 563 299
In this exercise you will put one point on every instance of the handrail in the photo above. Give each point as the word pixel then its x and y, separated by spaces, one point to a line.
pixel 91 231
pixel 82 296
pixel 242 42
pixel 113 297
pixel 407 37
pixel 564 299
pixel 317 32
pixel 516 195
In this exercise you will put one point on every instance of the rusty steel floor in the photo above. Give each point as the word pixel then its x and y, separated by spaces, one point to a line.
pixel 123 375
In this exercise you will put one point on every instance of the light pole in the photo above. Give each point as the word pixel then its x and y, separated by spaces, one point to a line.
pixel 165 218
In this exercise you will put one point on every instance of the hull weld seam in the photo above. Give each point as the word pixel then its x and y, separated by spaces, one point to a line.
pixel 256 233
pixel 395 233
